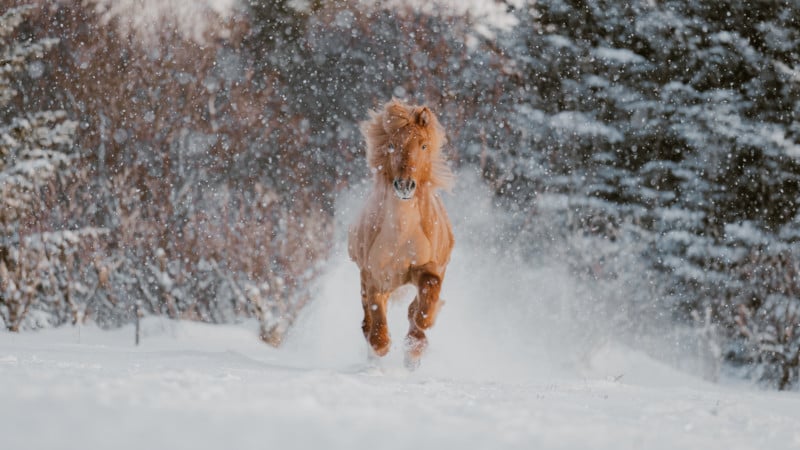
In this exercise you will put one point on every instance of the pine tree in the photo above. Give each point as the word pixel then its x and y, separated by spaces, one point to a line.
pixel 34 149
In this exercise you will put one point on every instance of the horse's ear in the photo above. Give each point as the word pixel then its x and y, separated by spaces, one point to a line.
pixel 424 116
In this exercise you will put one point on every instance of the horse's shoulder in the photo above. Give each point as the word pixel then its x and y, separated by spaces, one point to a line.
pixel 434 217
pixel 363 231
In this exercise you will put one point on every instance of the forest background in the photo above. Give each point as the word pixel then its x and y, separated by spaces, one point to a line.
pixel 185 161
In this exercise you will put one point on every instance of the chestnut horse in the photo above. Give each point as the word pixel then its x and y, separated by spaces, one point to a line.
pixel 403 235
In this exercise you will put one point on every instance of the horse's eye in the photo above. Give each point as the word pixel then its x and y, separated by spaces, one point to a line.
pixel 391 148
pixel 424 146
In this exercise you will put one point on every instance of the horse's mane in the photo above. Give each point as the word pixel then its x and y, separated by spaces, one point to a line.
pixel 395 116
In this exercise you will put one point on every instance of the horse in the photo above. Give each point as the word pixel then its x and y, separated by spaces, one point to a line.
pixel 403 234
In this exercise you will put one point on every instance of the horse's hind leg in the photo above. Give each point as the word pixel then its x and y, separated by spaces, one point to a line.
pixel 374 325
pixel 421 316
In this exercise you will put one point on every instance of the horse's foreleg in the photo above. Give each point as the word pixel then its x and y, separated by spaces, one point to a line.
pixel 374 326
pixel 422 315
pixel 425 307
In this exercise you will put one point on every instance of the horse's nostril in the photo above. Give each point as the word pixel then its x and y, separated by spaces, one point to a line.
pixel 404 187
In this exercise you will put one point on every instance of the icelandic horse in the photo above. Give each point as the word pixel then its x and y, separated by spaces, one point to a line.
pixel 403 235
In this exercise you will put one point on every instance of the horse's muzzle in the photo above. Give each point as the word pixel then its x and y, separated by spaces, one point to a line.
pixel 404 189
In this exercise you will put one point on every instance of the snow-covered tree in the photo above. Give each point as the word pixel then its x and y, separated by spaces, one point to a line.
pixel 34 150
pixel 189 166
pixel 672 125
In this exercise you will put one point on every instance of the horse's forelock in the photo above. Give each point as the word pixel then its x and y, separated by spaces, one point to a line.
pixel 396 116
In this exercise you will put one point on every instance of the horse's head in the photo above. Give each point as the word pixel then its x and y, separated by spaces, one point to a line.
pixel 404 147
pixel 408 149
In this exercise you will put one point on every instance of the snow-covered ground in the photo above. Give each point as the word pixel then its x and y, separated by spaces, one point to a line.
pixel 200 386
pixel 503 371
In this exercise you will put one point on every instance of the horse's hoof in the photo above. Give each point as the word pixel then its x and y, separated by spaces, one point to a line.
pixel 379 341
pixel 415 347
pixel 380 351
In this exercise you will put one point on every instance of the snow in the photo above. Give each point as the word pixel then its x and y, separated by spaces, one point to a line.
pixel 188 17
pixel 509 367
pixel 778 137
pixel 487 14
pixel 199 386
pixel 618 55
pixel 579 124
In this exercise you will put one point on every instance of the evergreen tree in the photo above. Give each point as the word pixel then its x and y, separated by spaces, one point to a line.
pixel 34 150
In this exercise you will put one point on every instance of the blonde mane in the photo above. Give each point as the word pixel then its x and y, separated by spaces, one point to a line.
pixel 395 117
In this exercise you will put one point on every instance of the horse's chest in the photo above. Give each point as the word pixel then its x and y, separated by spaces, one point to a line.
pixel 399 245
